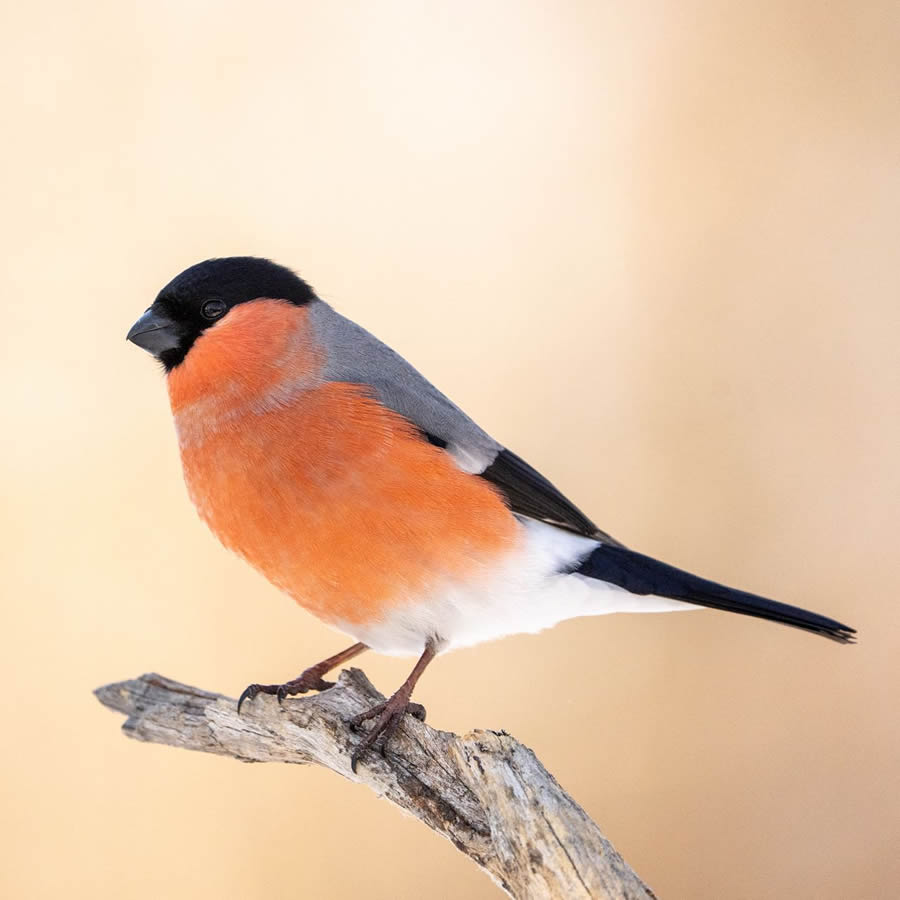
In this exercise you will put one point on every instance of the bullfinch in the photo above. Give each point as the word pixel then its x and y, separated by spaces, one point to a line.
pixel 325 460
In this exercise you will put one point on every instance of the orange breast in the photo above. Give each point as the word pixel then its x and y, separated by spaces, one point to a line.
pixel 336 499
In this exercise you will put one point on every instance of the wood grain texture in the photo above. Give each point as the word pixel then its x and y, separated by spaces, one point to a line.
pixel 484 791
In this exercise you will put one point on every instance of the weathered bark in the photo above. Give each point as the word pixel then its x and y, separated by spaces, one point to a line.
pixel 485 791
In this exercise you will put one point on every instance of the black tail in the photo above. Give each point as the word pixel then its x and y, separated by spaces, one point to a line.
pixel 641 574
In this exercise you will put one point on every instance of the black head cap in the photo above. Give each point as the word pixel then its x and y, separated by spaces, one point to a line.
pixel 203 294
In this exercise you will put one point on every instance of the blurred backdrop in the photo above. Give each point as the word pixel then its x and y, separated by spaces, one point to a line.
pixel 652 247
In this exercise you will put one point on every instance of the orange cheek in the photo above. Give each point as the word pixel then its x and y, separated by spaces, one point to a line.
pixel 254 348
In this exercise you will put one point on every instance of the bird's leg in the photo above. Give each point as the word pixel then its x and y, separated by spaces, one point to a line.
pixel 389 714
pixel 309 680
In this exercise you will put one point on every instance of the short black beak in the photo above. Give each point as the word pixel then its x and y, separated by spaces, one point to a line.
pixel 155 332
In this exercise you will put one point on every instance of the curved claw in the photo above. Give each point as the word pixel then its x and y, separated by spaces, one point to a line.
pixel 377 738
pixel 249 693
pixel 416 710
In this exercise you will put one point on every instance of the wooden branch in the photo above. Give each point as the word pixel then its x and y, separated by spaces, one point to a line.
pixel 484 791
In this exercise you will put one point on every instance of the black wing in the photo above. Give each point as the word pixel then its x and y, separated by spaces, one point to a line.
pixel 529 494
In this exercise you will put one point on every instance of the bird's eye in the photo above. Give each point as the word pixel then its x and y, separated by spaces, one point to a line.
pixel 212 309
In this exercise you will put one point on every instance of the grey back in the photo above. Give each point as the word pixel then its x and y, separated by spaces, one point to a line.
pixel 358 357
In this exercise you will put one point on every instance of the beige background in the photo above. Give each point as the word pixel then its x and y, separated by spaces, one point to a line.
pixel 652 247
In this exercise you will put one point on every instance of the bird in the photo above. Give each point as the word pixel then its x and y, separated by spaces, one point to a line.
pixel 332 466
